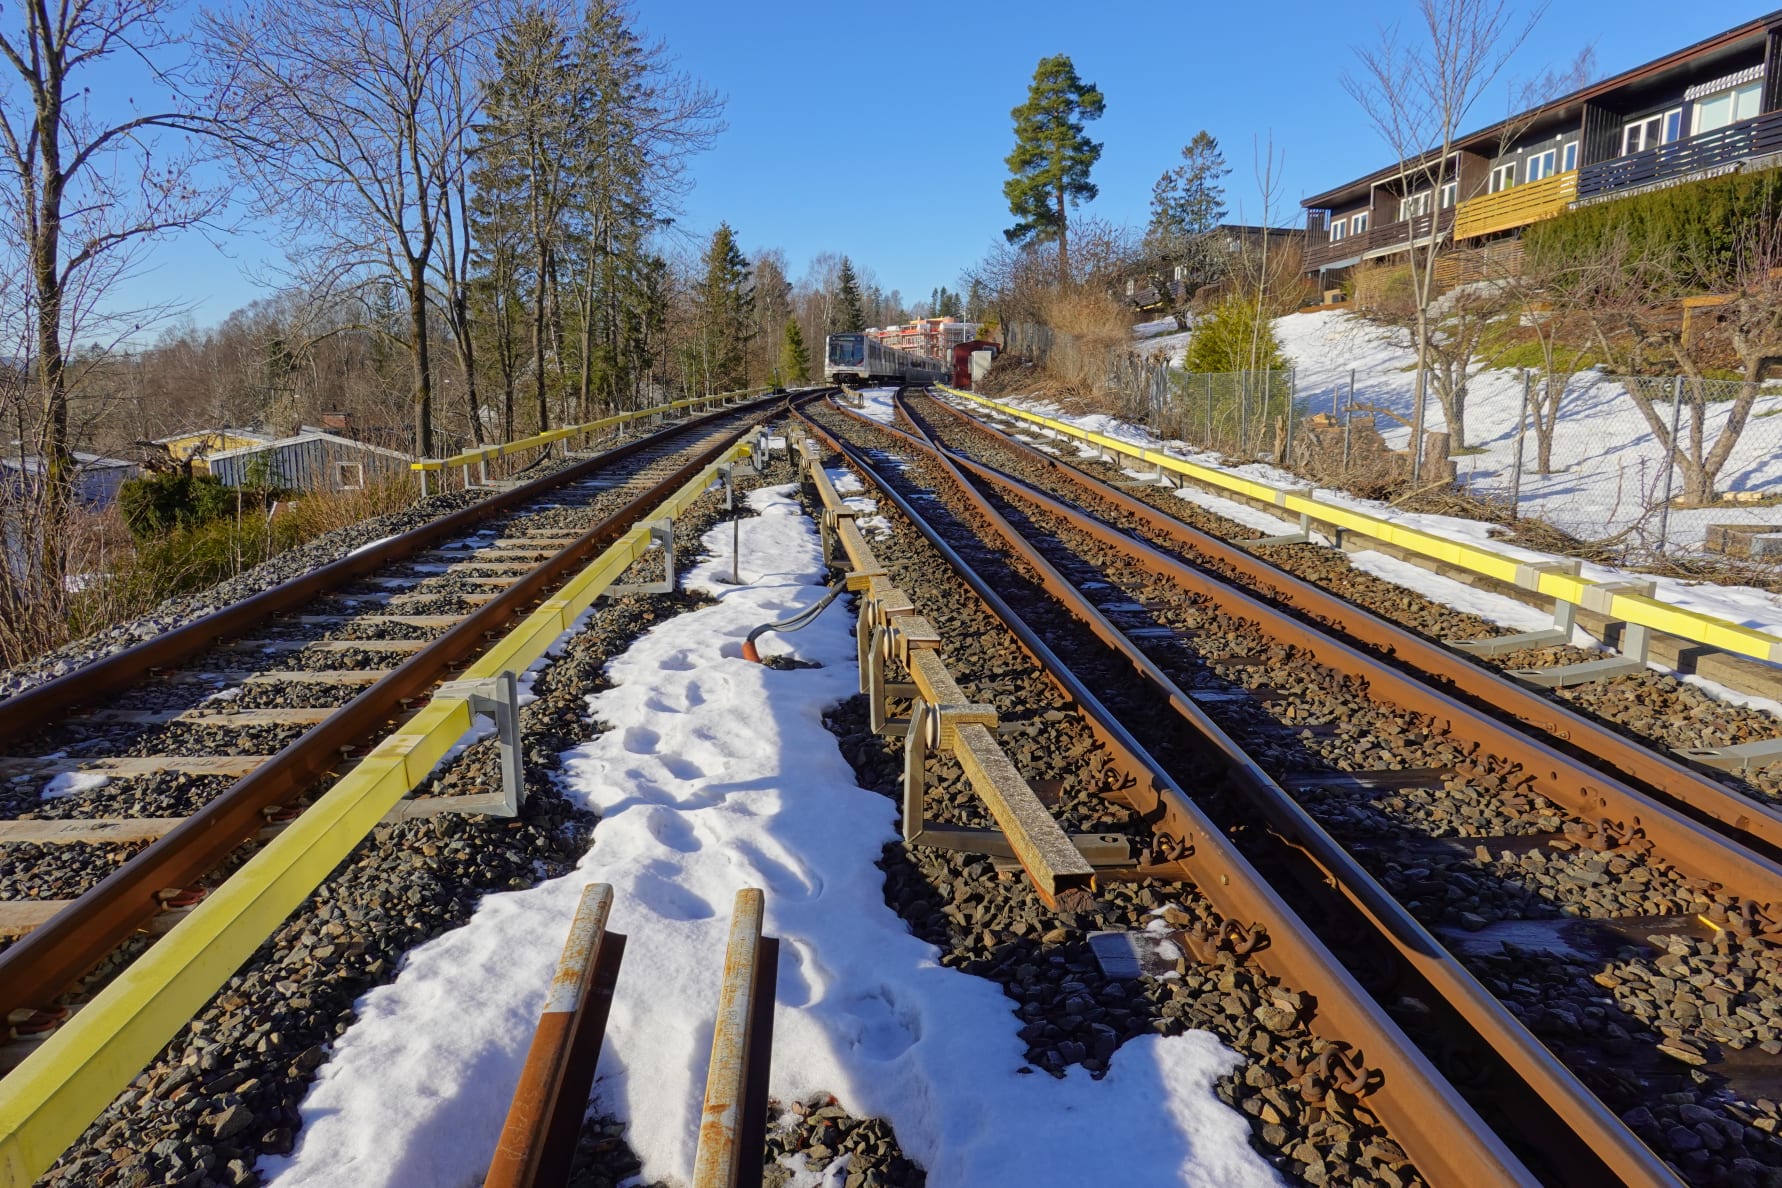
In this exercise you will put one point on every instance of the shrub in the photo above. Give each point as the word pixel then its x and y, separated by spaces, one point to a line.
pixel 157 504
pixel 1694 228
pixel 1236 334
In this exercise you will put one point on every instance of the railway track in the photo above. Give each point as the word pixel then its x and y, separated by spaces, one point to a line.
pixel 182 748
pixel 1384 832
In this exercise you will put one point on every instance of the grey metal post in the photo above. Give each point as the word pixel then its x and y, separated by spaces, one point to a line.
pixel 1521 436
pixel 1208 443
pixel 1287 450
pixel 1348 420
pixel 1242 412
pixel 1670 465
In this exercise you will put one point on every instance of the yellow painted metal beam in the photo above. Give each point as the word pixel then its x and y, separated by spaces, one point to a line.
pixel 490 453
pixel 56 1091
pixel 1628 608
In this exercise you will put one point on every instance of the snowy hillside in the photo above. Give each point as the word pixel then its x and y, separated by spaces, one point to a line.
pixel 1608 466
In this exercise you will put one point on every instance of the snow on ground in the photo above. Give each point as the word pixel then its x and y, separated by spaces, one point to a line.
pixel 718 774
pixel 1608 465
pixel 1151 338
pixel 73 783
pixel 876 403
pixel 1745 605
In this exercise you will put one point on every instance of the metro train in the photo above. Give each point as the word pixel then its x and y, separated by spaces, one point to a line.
pixel 862 359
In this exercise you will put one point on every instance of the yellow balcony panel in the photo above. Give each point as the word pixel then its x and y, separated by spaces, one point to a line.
pixel 1515 207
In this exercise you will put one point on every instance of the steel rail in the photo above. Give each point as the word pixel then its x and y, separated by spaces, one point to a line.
pixel 45 961
pixel 41 705
pixel 1570 731
pixel 1439 1129
pixel 1619 1151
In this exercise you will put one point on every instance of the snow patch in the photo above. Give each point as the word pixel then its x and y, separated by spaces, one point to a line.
pixel 719 774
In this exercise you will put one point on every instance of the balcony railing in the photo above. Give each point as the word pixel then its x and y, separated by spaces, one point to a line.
pixel 1320 251
pixel 1515 207
pixel 1754 137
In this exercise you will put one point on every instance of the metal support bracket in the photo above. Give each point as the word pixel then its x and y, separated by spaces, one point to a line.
pixel 662 533
pixel 1565 615
pixel 1740 759
pixel 1636 641
pixel 1303 536
pixel 933 728
pixel 497 697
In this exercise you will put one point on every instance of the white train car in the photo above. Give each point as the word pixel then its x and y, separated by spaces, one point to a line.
pixel 861 359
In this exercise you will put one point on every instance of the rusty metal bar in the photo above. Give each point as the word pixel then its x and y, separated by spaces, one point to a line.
pixel 539 1137
pixel 732 1123
pixel 1439 1129
pixel 42 964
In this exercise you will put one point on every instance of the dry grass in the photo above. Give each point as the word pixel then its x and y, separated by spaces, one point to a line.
pixel 115 583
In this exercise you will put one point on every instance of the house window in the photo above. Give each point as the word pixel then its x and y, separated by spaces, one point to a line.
pixel 1339 229
pixel 1569 157
pixel 1727 107
pixel 1131 286
pixel 1181 272
pixel 1651 131
pixel 1358 223
pixel 1450 191
pixel 1503 177
pixel 349 476
pixel 1541 165
pixel 1415 206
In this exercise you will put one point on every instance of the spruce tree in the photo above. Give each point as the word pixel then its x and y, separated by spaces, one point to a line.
pixel 848 313
pixel 1188 200
pixel 1050 165
pixel 724 302
pixel 1186 203
pixel 795 360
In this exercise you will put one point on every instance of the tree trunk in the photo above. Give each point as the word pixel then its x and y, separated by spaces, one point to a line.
pixel 55 456
pixel 538 338
pixel 1063 240
pixel 423 362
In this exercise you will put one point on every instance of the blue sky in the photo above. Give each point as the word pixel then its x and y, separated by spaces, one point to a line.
pixel 879 130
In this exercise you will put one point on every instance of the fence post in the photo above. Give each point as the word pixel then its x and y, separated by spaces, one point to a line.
pixel 1348 421
pixel 1521 436
pixel 1243 411
pixel 1208 443
pixel 1287 450
pixel 1670 465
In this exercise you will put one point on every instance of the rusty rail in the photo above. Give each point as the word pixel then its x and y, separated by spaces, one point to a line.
pixel 47 960
pixel 943 718
pixel 1620 1152
pixel 733 1120
pixel 41 705
pixel 1559 775
pixel 1438 1128
pixel 539 1137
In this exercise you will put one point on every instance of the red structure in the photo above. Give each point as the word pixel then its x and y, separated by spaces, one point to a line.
pixel 962 354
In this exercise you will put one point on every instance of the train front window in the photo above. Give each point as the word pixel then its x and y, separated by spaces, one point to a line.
pixel 847 350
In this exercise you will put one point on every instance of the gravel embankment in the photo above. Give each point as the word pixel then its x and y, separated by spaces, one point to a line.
pixel 1474 847
pixel 992 925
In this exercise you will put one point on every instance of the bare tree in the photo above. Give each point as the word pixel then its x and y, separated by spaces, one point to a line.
pixel 1417 93
pixel 354 133
pixel 90 188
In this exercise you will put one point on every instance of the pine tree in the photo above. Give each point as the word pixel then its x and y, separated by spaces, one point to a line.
pixel 795 360
pixel 724 302
pixel 849 311
pixel 1050 165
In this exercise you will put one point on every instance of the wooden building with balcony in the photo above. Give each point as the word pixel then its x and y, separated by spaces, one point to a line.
pixel 1704 110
